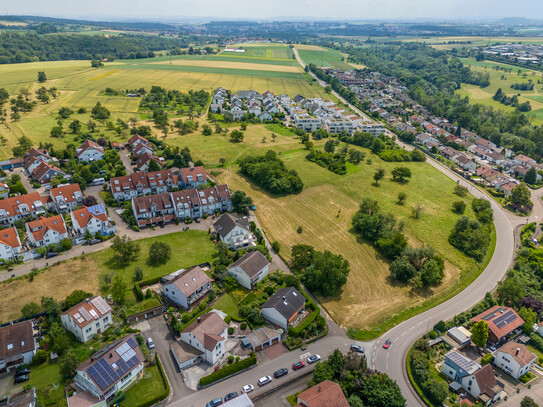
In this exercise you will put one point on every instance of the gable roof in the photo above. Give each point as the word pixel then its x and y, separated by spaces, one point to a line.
pixel 486 380
pixel 10 237
pixel 192 174
pixel 88 311
pixel 287 301
pixel 84 215
pixel 43 168
pixel 519 352
pixel 145 157
pixel 143 204
pixel 501 320
pixel 88 144
pixel 228 221
pixel 190 280
pixel 70 193
pixel 40 227
pixel 16 339
pixel 251 263
pixel 135 138
pixel 11 205
pixel 324 394
pixel 210 325
pixel 145 179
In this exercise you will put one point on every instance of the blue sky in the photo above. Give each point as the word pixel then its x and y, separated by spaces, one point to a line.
pixel 255 9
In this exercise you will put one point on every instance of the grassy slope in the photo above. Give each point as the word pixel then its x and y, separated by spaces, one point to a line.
pixel 323 57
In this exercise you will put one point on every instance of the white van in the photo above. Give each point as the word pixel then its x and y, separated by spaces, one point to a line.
pixel 150 343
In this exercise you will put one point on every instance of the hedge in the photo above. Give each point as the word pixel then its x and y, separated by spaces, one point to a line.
pixel 137 292
pixel 228 370
pixel 149 281
pixel 296 331
pixel 166 391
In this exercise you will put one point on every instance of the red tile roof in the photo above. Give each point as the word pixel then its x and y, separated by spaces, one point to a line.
pixel 87 312
pixel 187 173
pixel 40 227
pixel 89 144
pixel 10 237
pixel 83 216
pixel 10 205
pixel 68 192
pixel 519 352
pixel 190 280
pixel 145 179
pixel 324 394
pixel 497 312
pixel 209 325
pixel 144 158
pixel 41 170
pixel 135 138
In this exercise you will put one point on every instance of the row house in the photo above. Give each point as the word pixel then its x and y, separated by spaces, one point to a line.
pixel 449 152
pixel 307 122
pixel 334 126
pixel 89 151
pixel 46 231
pixel 143 148
pixel 10 245
pixel 65 198
pixel 21 207
pixel 191 203
pixel 465 163
pixel 488 173
pixel 93 219
pixel 375 129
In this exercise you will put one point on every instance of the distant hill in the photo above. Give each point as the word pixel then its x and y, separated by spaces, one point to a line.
pixel 519 21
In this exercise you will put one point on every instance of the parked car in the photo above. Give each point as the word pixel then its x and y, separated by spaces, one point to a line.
pixel 313 359
pixel 21 379
pixel 230 396
pixel 247 388
pixel 357 348
pixel 264 380
pixel 215 402
pixel 387 344
pixel 93 241
pixel 197 220
pixel 22 370
pixel 298 365
pixel 51 254
pixel 280 372
pixel 150 343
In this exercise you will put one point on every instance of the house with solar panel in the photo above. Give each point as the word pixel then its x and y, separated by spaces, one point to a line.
pixel 87 318
pixel 94 219
pixel 479 381
pixel 502 322
pixel 112 369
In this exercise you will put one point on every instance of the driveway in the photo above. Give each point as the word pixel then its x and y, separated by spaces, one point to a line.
pixel 163 339
pixel 125 158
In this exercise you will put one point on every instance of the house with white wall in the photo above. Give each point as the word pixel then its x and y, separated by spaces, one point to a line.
pixel 234 230
pixel 207 335
pixel 283 307
pixel 94 219
pixel 10 244
pixel 89 317
pixel 46 231
pixel 66 198
pixel 188 287
pixel 17 345
pixel 250 269
pixel 89 151
pixel 514 358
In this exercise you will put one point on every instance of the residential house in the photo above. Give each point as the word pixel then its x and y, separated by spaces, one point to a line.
pixel 487 172
pixel 524 160
pixel 425 138
pixel 88 318
pixel 334 126
pixel 375 129
pixel 136 139
pixel 46 231
pixel 10 245
pixel 502 321
pixel 465 163
pixel 249 269
pixel 94 219
pixel 234 230
pixel 143 148
pixel 89 151
pixel 153 209
pixel 24 398
pixel 306 121
pixel 193 203
pixel 507 187
pixel 448 152
pixel 66 197
pixel 485 143
pixel 324 394
pixel 207 335
pixel 192 177
pixel 514 358
pixel 35 157
pixel 143 183
pixel 188 287
pixel 283 307
pixel 4 190
pixel 112 369
pixel 43 173
pixel 143 161
pixel 261 338
pixel 266 116
pixel 17 345
pixel 237 112
pixel 479 381
pixel 21 207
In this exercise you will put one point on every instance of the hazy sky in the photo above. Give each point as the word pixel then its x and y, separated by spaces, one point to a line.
pixel 255 9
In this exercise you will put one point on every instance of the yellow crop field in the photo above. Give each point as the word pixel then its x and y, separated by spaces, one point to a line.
pixel 234 65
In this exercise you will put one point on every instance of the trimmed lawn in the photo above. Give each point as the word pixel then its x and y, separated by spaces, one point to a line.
pixel 49 384
pixel 138 306
pixel 187 248
pixel 228 305
pixel 147 388
pixel 324 57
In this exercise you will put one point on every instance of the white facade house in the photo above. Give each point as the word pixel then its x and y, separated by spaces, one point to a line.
pixel 87 318
pixel 46 231
pixel 235 231
pixel 249 269
pixel 515 359
pixel 375 129
pixel 207 335
pixel 188 287
pixel 89 151
pixel 334 126
pixel 94 219
pixel 17 345
pixel 283 307
pixel 21 207
pixel 65 198
pixel 112 369
pixel 10 244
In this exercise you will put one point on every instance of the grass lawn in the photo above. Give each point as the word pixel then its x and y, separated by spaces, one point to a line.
pixel 49 385
pixel 323 57
pixel 187 248
pixel 228 304
pixel 325 208
pixel 146 388
pixel 138 306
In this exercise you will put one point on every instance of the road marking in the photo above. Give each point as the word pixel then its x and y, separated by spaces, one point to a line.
pixel 403 333
pixel 305 355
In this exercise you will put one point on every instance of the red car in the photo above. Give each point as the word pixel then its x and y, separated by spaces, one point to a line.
pixel 387 343
pixel 298 365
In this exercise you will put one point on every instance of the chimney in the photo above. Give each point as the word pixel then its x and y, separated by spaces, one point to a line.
pixel 111 355
pixel 87 299
pixel 517 352
pixel 284 298
pixel 199 319
pixel 319 389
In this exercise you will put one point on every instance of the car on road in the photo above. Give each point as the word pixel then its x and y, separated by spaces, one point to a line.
pixel 21 379
pixel 22 370
pixel 150 343
pixel 51 254
pixel 357 348
pixel 387 344
pixel 264 380
pixel 247 388
pixel 298 365
pixel 313 359
pixel 230 396
pixel 215 402
pixel 197 220
pixel 281 372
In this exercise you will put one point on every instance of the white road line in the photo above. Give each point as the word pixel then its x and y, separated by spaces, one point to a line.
pixel 403 333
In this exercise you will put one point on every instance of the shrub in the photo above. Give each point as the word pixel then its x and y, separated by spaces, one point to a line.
pixel 137 292
pixel 228 370
pixel 185 318
pixel 148 293
pixel 230 359
pixel 228 319
pixel 243 326
pixel 486 359
pixel 230 330
pixel 432 334
pixel 39 357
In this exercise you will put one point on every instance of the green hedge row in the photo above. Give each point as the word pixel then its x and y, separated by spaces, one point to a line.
pixel 228 370
pixel 182 327
pixel 166 391
pixel 137 292
pixel 149 281
pixel 296 331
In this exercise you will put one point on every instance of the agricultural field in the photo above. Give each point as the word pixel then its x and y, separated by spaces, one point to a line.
pixel 504 80
pixel 268 51
pixel 324 210
pixel 320 56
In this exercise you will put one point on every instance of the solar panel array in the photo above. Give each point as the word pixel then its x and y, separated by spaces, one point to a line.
pixel 462 362
pixel 85 314
pixel 101 305
pixel 96 209
pixel 505 319
pixel 105 375
pixel 492 315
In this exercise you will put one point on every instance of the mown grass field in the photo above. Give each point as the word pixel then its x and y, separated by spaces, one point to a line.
pixel 503 80
pixel 269 51
pixel 321 56
pixel 324 210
